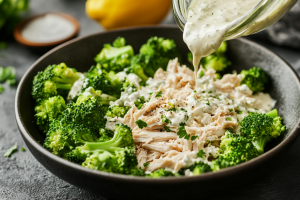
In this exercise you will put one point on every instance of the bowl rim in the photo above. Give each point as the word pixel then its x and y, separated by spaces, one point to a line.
pixel 206 176
pixel 18 35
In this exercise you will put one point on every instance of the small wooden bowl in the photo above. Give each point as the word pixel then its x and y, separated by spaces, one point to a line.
pixel 48 45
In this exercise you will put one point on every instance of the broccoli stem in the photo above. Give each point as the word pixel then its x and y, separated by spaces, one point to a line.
pixel 110 146
pixel 63 86
pixel 273 113
pixel 260 143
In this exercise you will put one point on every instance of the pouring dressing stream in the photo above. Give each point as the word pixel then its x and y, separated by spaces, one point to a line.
pixel 208 22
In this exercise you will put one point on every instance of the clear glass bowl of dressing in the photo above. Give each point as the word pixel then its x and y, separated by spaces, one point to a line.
pixel 264 14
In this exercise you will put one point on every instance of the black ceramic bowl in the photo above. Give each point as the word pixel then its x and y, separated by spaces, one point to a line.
pixel 79 54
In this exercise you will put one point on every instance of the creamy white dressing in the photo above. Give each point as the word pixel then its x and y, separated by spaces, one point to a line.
pixel 76 87
pixel 207 23
pixel 48 28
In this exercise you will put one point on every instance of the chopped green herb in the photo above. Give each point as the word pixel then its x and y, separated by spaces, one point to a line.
pixel 151 93
pixel 182 124
pixel 239 112
pixel 181 132
pixel 201 74
pixel 208 103
pixel 172 109
pixel 201 153
pixel 22 149
pixel 194 137
pixel 165 119
pixel 141 123
pixel 230 110
pixel 11 150
pixel 167 129
pixel 140 102
pixel 183 109
pixel 146 164
pixel 195 91
pixel 209 92
pixel 187 137
pixel 158 94
pixel 229 119
pixel 186 118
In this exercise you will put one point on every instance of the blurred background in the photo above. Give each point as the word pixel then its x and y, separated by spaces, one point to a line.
pixel 22 177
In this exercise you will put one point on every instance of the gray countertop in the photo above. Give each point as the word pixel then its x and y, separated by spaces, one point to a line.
pixel 22 177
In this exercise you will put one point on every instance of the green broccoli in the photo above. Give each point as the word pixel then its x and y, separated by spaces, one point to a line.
pixel 158 52
pixel 99 79
pixel 95 94
pixel 255 78
pixel 234 149
pixel 155 54
pixel 262 128
pixel 115 58
pixel 140 102
pixel 139 67
pixel 115 155
pixel 121 139
pixel 197 168
pixel 127 85
pixel 48 110
pixel 117 111
pixel 122 161
pixel 161 173
pixel 54 80
pixel 78 124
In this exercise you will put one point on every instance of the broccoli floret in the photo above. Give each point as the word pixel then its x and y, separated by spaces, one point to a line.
pixel 128 86
pixel 161 173
pixel 78 124
pixel 217 60
pixel 117 111
pixel 139 67
pixel 155 54
pixel 197 168
pixel 99 79
pixel 116 155
pixel 262 128
pixel 234 149
pixel 122 161
pixel 105 135
pixel 138 172
pixel 54 80
pixel 90 93
pixel 255 78
pixel 158 51
pixel 140 102
pixel 48 110
pixel 121 139
pixel 115 58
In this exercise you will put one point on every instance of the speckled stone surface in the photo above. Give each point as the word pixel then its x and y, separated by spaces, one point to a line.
pixel 22 177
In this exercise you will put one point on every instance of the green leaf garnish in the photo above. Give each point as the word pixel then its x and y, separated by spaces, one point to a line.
pixel 158 94
pixel 11 150
pixel 167 129
pixel 141 124
pixel 201 153
pixel 194 137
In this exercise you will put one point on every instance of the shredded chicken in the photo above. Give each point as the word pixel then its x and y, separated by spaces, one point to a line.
pixel 203 112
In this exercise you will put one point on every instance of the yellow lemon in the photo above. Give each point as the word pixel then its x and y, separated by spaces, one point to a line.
pixel 113 14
